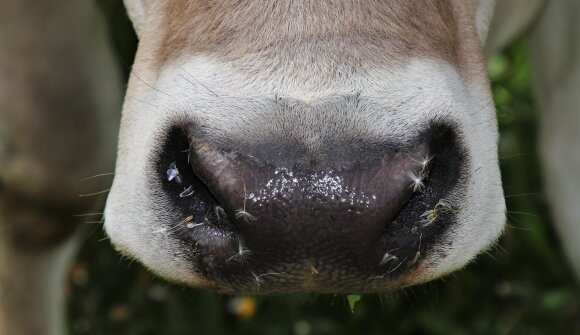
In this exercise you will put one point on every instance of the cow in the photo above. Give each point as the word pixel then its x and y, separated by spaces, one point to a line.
pixel 288 146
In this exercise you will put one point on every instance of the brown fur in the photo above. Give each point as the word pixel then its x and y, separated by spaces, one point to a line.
pixel 359 31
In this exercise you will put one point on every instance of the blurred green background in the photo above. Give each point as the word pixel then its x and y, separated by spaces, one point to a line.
pixel 522 286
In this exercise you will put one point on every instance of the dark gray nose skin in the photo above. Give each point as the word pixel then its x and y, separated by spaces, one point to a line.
pixel 254 221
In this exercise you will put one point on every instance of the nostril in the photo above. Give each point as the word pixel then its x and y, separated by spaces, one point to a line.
pixel 431 210
pixel 176 174
pixel 193 213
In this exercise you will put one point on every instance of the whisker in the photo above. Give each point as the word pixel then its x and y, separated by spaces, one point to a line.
pixel 197 81
pixel 97 176
pixel 490 255
pixel 501 249
pixel 520 195
pixel 149 85
pixel 93 194
pixel 87 214
pixel 484 106
pixel 514 227
pixel 513 156
pixel 392 270
pixel 511 217
pixel 487 104
pixel 524 213
pixel 142 101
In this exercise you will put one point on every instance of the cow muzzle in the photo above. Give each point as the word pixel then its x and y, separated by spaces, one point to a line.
pixel 278 218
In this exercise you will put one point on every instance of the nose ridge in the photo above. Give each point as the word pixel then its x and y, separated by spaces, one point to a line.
pixel 302 211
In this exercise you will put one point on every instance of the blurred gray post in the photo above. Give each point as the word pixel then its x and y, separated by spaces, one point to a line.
pixel 554 42
pixel 555 49
pixel 60 100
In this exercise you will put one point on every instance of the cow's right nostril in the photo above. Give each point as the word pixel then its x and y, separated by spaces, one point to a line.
pixel 196 215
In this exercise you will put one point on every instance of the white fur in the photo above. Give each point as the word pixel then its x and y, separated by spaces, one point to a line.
pixel 483 15
pixel 137 10
pixel 394 103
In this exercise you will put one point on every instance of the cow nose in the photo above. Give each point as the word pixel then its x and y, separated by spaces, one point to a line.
pixel 304 219
pixel 290 212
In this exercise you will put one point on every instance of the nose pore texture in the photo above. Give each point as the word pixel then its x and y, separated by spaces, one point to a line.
pixel 302 212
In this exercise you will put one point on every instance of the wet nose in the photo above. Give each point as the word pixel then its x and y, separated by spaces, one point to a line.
pixel 289 213
pixel 343 219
